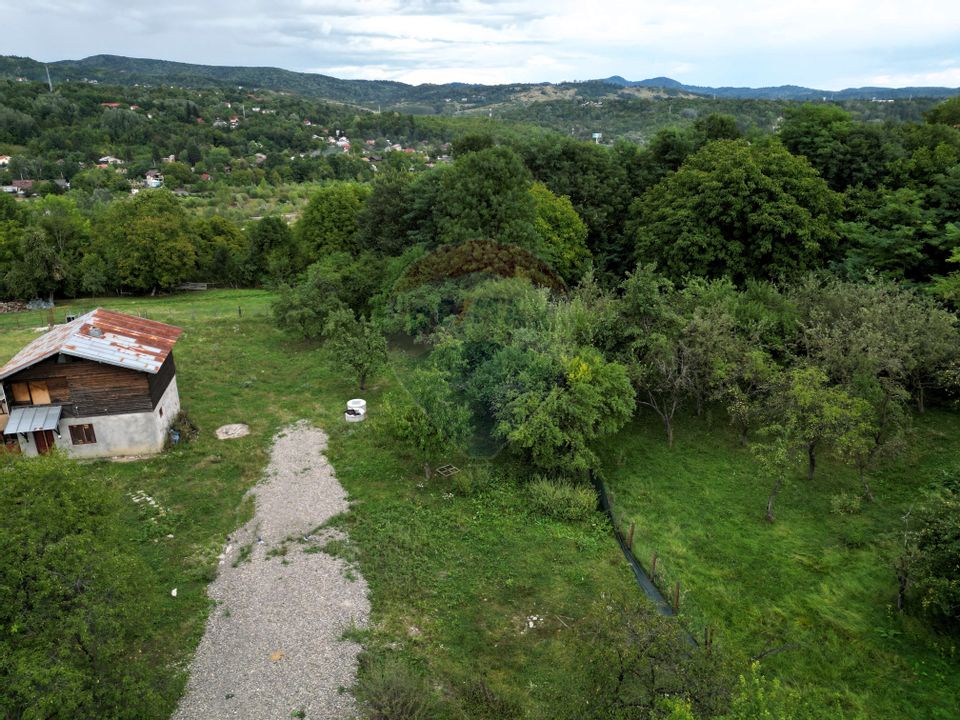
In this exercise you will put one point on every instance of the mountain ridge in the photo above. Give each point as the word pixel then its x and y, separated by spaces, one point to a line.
pixel 788 92
pixel 122 70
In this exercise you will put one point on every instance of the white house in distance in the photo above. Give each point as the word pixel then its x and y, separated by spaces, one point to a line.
pixel 101 385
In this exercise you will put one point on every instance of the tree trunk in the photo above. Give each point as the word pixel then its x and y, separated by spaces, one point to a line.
pixel 668 426
pixel 921 408
pixel 811 459
pixel 363 381
pixel 772 498
pixel 866 486
pixel 903 582
pixel 744 436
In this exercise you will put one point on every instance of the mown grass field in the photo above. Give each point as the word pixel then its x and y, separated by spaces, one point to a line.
pixel 817 589
pixel 454 571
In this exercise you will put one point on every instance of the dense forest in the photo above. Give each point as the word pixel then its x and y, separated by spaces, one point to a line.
pixel 793 268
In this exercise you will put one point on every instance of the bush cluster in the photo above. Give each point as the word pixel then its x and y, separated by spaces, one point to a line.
pixel 561 499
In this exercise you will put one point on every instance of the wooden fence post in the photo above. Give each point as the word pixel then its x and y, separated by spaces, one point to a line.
pixel 653 566
pixel 630 537
pixel 676 597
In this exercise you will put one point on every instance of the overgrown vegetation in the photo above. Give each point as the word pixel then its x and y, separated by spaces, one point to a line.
pixel 575 309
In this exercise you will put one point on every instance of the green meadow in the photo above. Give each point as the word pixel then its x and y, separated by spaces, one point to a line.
pixel 812 595
pixel 455 567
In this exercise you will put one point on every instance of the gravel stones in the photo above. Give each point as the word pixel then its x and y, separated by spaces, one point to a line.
pixel 273 643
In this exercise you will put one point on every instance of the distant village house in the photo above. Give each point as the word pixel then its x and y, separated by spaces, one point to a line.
pixel 153 179
pixel 101 385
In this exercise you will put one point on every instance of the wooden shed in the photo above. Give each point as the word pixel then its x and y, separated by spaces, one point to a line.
pixel 102 385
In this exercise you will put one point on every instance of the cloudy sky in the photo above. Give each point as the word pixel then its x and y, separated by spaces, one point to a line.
pixel 818 43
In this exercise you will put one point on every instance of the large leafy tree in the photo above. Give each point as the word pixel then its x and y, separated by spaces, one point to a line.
pixel 146 242
pixel 336 282
pixel 879 333
pixel 274 253
pixel 556 424
pixel 485 196
pixel 383 224
pixel 563 236
pixel 50 249
pixel 892 234
pixel 11 227
pixel 737 210
pixel 356 343
pixel 946 113
pixel 809 413
pixel 595 181
pixel 222 249
pixel 658 344
pixel 843 151
pixel 331 219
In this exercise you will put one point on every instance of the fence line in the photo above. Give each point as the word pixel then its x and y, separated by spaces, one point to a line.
pixel 664 607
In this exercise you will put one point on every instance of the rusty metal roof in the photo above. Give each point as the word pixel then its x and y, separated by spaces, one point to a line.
pixel 103 336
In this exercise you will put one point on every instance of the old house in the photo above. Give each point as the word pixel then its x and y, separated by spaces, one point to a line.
pixel 153 179
pixel 101 385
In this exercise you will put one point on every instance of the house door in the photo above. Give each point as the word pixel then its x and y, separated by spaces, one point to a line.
pixel 44 441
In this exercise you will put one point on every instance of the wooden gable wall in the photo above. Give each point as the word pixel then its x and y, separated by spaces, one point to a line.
pixel 87 388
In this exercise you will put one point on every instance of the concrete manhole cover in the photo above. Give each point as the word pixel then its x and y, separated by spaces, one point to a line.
pixel 229 432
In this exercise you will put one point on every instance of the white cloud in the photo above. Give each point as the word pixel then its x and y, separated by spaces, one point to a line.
pixel 949 77
pixel 818 42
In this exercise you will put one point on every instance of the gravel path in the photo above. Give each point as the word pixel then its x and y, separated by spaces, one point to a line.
pixel 273 644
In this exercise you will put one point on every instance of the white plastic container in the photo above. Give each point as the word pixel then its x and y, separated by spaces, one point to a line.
pixel 356 410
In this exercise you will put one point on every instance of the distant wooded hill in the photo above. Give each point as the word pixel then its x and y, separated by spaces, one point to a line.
pixel 790 92
pixel 451 98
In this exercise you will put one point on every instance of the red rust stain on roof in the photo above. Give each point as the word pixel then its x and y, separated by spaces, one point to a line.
pixel 104 336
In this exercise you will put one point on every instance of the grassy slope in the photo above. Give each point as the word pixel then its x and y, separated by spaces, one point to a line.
pixel 465 570
pixel 821 582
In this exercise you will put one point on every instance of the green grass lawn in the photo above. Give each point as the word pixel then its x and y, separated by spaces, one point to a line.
pixel 453 572
pixel 817 586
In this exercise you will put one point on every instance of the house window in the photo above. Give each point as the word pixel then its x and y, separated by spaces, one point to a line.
pixel 31 393
pixel 82 434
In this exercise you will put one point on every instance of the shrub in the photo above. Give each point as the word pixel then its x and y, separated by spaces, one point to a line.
pixel 392 691
pixel 562 500
pixel 480 701
pixel 185 425
pixel 845 504
pixel 463 484
pixel 933 556
pixel 76 606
